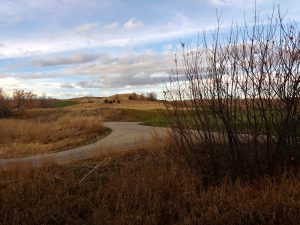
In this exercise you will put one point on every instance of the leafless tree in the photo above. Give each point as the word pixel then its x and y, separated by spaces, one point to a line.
pixel 239 92
pixel 152 96
pixel 23 99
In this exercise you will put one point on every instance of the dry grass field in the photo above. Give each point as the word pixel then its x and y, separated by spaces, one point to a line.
pixel 124 104
pixel 146 187
pixel 19 137
pixel 127 104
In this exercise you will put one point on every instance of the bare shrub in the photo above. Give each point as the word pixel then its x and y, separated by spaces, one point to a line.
pixel 23 99
pixel 240 94
pixel 4 109
pixel 152 96
pixel 133 96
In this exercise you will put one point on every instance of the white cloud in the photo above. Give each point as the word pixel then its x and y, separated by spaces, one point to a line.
pixel 124 70
pixel 111 26
pixel 9 84
pixel 56 60
pixel 218 2
pixel 131 34
pixel 68 86
pixel 132 24
pixel 106 71
pixel 11 13
pixel 87 27
pixel 2 45
pixel 128 63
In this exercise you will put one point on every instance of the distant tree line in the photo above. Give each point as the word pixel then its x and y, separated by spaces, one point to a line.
pixel 21 99
pixel 152 96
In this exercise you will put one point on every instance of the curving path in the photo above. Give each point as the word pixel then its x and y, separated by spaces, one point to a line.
pixel 125 136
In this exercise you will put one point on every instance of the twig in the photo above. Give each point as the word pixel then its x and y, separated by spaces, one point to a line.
pixel 106 160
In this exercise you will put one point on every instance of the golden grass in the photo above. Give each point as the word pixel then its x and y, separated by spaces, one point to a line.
pixel 143 188
pixel 125 104
pixel 19 137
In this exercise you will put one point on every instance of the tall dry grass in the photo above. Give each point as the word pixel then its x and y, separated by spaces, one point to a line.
pixel 31 136
pixel 143 188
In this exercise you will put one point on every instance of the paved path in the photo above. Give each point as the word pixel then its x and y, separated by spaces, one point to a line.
pixel 125 136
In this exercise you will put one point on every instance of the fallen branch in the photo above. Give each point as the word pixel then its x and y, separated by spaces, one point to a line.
pixel 106 160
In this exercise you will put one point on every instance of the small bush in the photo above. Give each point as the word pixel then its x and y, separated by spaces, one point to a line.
pixel 4 110
pixel 133 96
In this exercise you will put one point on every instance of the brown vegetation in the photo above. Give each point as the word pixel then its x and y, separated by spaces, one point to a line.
pixel 133 96
pixel 152 96
pixel 47 134
pixel 143 188
pixel 22 99
pixel 4 110
pixel 124 104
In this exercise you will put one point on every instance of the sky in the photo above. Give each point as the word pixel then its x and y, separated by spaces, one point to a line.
pixel 74 48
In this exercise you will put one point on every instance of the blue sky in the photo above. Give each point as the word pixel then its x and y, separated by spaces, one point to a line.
pixel 71 48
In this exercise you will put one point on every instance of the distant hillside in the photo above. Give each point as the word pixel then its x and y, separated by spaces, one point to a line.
pixel 87 99
pixel 122 97
pixel 127 96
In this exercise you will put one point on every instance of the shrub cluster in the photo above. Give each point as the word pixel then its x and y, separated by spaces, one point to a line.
pixel 240 93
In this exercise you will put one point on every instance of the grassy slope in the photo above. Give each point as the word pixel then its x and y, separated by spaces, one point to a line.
pixel 157 117
pixel 65 103
pixel 154 117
